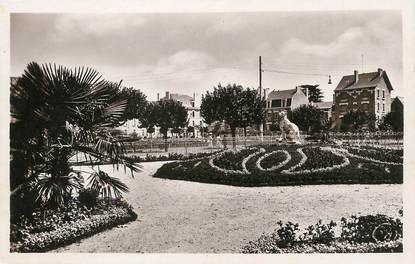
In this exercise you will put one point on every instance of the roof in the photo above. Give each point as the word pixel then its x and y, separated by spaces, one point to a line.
pixel 179 97
pixel 323 105
pixel 281 94
pixel 365 80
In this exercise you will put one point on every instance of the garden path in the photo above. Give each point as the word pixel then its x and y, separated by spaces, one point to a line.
pixel 190 217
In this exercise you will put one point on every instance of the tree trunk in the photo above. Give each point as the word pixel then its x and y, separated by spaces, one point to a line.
pixel 245 136
pixel 166 146
pixel 233 130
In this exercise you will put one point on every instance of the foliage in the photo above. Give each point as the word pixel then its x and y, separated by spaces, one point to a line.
pixel 357 121
pixel 286 234
pixel 320 238
pixel 359 171
pixel 314 92
pixel 48 229
pixel 166 114
pixel 371 228
pixel 136 103
pixel 320 159
pixel 57 112
pixel 237 106
pixel 88 197
pixel 320 233
pixel 392 121
pixel 308 118
pixel 107 186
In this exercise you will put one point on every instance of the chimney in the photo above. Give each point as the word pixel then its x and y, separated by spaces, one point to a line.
pixel 167 95
pixel 380 71
pixel 158 97
pixel 356 76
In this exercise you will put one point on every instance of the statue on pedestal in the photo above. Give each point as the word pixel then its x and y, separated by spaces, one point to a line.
pixel 289 131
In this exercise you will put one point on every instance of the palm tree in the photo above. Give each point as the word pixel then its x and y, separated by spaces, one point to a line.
pixel 55 113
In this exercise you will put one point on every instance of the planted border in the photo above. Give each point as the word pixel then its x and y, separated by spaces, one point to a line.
pixel 348 169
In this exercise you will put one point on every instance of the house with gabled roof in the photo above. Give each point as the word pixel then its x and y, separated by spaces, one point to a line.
pixel 278 100
pixel 368 92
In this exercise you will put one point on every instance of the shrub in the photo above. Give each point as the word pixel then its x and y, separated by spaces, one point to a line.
pixel 88 197
pixel 320 238
pixel 320 233
pixel 371 228
pixel 286 234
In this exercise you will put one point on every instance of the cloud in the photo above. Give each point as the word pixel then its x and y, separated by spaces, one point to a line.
pixel 339 45
pixel 67 26
pixel 184 60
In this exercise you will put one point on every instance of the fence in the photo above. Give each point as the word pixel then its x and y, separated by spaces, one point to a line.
pixel 376 139
pixel 186 146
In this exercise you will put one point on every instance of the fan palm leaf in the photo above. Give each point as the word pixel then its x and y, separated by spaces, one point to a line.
pixel 107 186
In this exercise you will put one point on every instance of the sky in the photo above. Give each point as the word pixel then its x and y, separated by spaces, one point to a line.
pixel 193 52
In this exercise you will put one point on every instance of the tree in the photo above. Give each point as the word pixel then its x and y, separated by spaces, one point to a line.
pixel 315 94
pixel 392 121
pixel 234 105
pixel 57 112
pixel 169 114
pixel 136 103
pixel 252 110
pixel 149 118
pixel 354 121
pixel 308 118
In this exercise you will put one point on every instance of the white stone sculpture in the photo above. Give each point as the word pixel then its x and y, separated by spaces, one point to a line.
pixel 289 131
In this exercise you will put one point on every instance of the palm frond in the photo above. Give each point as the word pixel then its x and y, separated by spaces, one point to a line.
pixel 106 185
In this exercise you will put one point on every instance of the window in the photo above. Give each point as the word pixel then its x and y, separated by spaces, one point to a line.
pixel 383 108
pixel 193 113
pixel 283 102
pixel 276 103
pixel 193 104
pixel 377 93
pixel 383 94
pixel 288 102
pixel 268 104
pixel 193 123
pixel 378 107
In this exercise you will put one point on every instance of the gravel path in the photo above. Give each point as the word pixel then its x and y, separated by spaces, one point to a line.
pixel 189 217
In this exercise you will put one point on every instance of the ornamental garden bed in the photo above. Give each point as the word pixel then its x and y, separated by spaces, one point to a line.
pixel 362 234
pixel 279 165
pixel 48 229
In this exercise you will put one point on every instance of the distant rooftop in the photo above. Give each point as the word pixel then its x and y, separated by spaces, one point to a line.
pixel 364 80
pixel 281 94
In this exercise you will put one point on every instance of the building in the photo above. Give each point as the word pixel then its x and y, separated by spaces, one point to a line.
pixel 284 100
pixel 326 107
pixel 369 92
pixel 192 105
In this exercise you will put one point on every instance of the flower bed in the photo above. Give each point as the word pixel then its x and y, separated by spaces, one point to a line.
pixel 48 229
pixel 363 234
pixel 383 156
pixel 308 164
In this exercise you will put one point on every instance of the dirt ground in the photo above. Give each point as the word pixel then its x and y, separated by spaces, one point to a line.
pixel 189 217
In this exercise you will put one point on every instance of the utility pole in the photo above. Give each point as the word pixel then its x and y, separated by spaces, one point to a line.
pixel 261 126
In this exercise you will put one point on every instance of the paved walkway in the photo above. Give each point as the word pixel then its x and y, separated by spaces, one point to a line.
pixel 189 217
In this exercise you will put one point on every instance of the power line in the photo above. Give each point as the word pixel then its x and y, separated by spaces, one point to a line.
pixel 296 73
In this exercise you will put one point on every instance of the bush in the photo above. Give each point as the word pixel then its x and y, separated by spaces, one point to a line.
pixel 371 228
pixel 286 234
pixel 48 229
pixel 320 238
pixel 320 233
pixel 88 197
